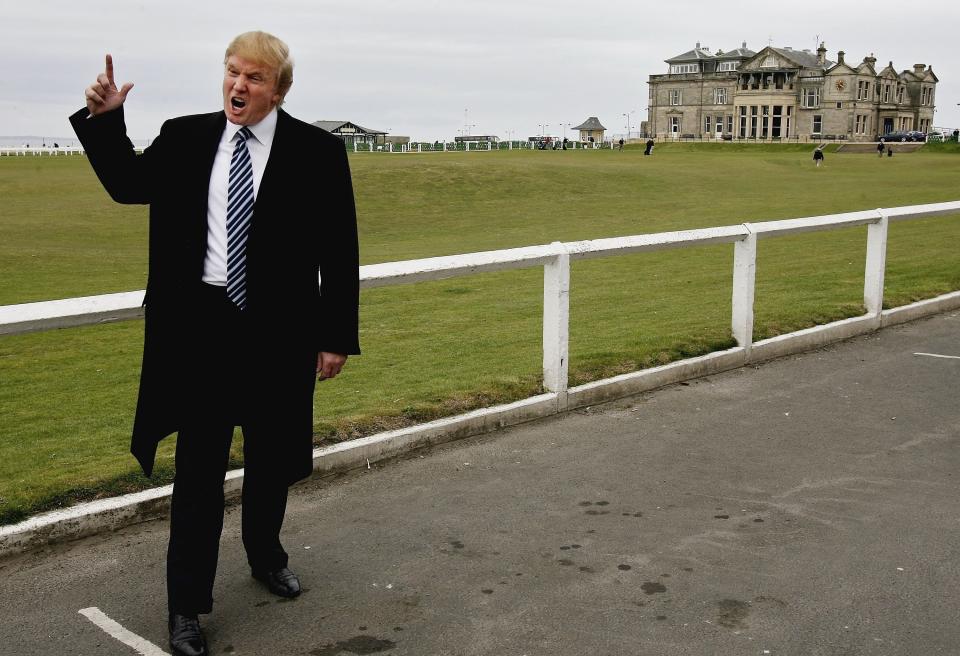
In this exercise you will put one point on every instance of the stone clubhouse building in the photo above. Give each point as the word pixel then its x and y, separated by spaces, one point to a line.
pixel 780 94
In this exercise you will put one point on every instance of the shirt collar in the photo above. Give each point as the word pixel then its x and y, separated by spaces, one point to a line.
pixel 262 131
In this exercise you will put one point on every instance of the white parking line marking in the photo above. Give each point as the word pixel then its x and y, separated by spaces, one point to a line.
pixel 937 355
pixel 140 645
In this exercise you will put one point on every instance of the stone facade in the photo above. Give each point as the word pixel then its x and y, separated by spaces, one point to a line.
pixel 785 94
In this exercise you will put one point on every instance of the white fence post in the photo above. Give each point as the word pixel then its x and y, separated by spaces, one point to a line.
pixel 876 264
pixel 744 281
pixel 556 323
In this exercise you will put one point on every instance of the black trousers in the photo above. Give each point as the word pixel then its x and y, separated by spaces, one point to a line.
pixel 203 448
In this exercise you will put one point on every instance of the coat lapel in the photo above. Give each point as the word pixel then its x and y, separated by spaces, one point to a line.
pixel 280 157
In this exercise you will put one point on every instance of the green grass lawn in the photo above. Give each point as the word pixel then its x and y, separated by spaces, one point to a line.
pixel 434 349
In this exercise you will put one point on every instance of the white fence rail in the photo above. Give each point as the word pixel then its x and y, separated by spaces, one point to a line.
pixel 555 259
pixel 89 518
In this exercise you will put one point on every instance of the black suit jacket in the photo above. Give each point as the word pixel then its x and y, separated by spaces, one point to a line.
pixel 303 225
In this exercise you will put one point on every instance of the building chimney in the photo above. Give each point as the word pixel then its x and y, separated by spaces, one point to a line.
pixel 840 54
pixel 744 45
pixel 698 45
pixel 822 54
pixel 919 68
pixel 870 60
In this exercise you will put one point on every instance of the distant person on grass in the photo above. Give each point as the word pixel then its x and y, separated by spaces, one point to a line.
pixel 649 149
pixel 237 328
pixel 880 148
pixel 818 155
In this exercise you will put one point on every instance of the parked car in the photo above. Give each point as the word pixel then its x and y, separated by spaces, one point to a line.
pixel 894 136
pixel 903 136
pixel 935 136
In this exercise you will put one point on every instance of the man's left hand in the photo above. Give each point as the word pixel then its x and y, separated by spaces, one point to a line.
pixel 329 364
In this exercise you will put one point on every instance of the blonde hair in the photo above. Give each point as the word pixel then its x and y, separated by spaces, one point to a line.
pixel 266 49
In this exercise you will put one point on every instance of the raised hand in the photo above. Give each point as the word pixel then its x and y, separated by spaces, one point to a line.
pixel 103 95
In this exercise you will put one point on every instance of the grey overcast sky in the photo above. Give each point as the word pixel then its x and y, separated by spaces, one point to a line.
pixel 427 68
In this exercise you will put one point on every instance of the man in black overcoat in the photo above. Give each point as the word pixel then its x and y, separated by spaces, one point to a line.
pixel 248 207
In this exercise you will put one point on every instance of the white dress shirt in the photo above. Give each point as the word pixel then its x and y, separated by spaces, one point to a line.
pixel 259 145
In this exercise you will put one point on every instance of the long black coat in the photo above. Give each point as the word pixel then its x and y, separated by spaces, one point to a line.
pixel 303 225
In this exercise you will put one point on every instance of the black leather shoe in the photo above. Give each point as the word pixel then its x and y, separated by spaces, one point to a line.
pixel 185 636
pixel 281 582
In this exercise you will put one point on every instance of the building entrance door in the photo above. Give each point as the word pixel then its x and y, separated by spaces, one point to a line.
pixel 674 126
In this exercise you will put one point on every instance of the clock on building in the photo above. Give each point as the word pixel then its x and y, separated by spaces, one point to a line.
pixel 840 85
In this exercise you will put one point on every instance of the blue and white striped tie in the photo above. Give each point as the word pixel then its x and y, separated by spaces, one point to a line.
pixel 239 210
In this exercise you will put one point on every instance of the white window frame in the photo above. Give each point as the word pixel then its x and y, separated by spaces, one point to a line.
pixel 680 69
pixel 720 96
pixel 676 96
pixel 817 118
pixel 810 97
pixel 728 66
pixel 675 125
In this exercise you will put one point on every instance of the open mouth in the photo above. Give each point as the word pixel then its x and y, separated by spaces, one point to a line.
pixel 238 103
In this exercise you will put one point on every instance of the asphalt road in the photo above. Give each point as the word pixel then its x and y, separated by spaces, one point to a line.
pixel 804 506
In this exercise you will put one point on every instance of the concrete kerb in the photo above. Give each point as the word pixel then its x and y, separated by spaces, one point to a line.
pixel 920 309
pixel 95 517
pixel 86 519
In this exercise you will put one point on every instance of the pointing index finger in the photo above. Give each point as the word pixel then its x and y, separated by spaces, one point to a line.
pixel 109 70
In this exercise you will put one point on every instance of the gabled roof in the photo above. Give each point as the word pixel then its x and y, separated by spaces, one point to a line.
pixel 803 58
pixel 592 123
pixel 889 71
pixel 841 69
pixel 697 54
pixel 927 75
pixel 866 67
pixel 799 58
pixel 333 126
pixel 742 52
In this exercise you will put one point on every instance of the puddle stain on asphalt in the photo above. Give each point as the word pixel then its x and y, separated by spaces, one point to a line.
pixel 653 587
pixel 361 644
pixel 732 613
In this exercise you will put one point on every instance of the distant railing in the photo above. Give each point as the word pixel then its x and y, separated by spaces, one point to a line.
pixel 45 151
pixel 39 151
pixel 474 146
pixel 555 259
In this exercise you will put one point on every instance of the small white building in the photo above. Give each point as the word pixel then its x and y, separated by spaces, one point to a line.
pixel 352 133
pixel 591 130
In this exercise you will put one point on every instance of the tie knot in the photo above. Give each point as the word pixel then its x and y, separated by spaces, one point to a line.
pixel 244 133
